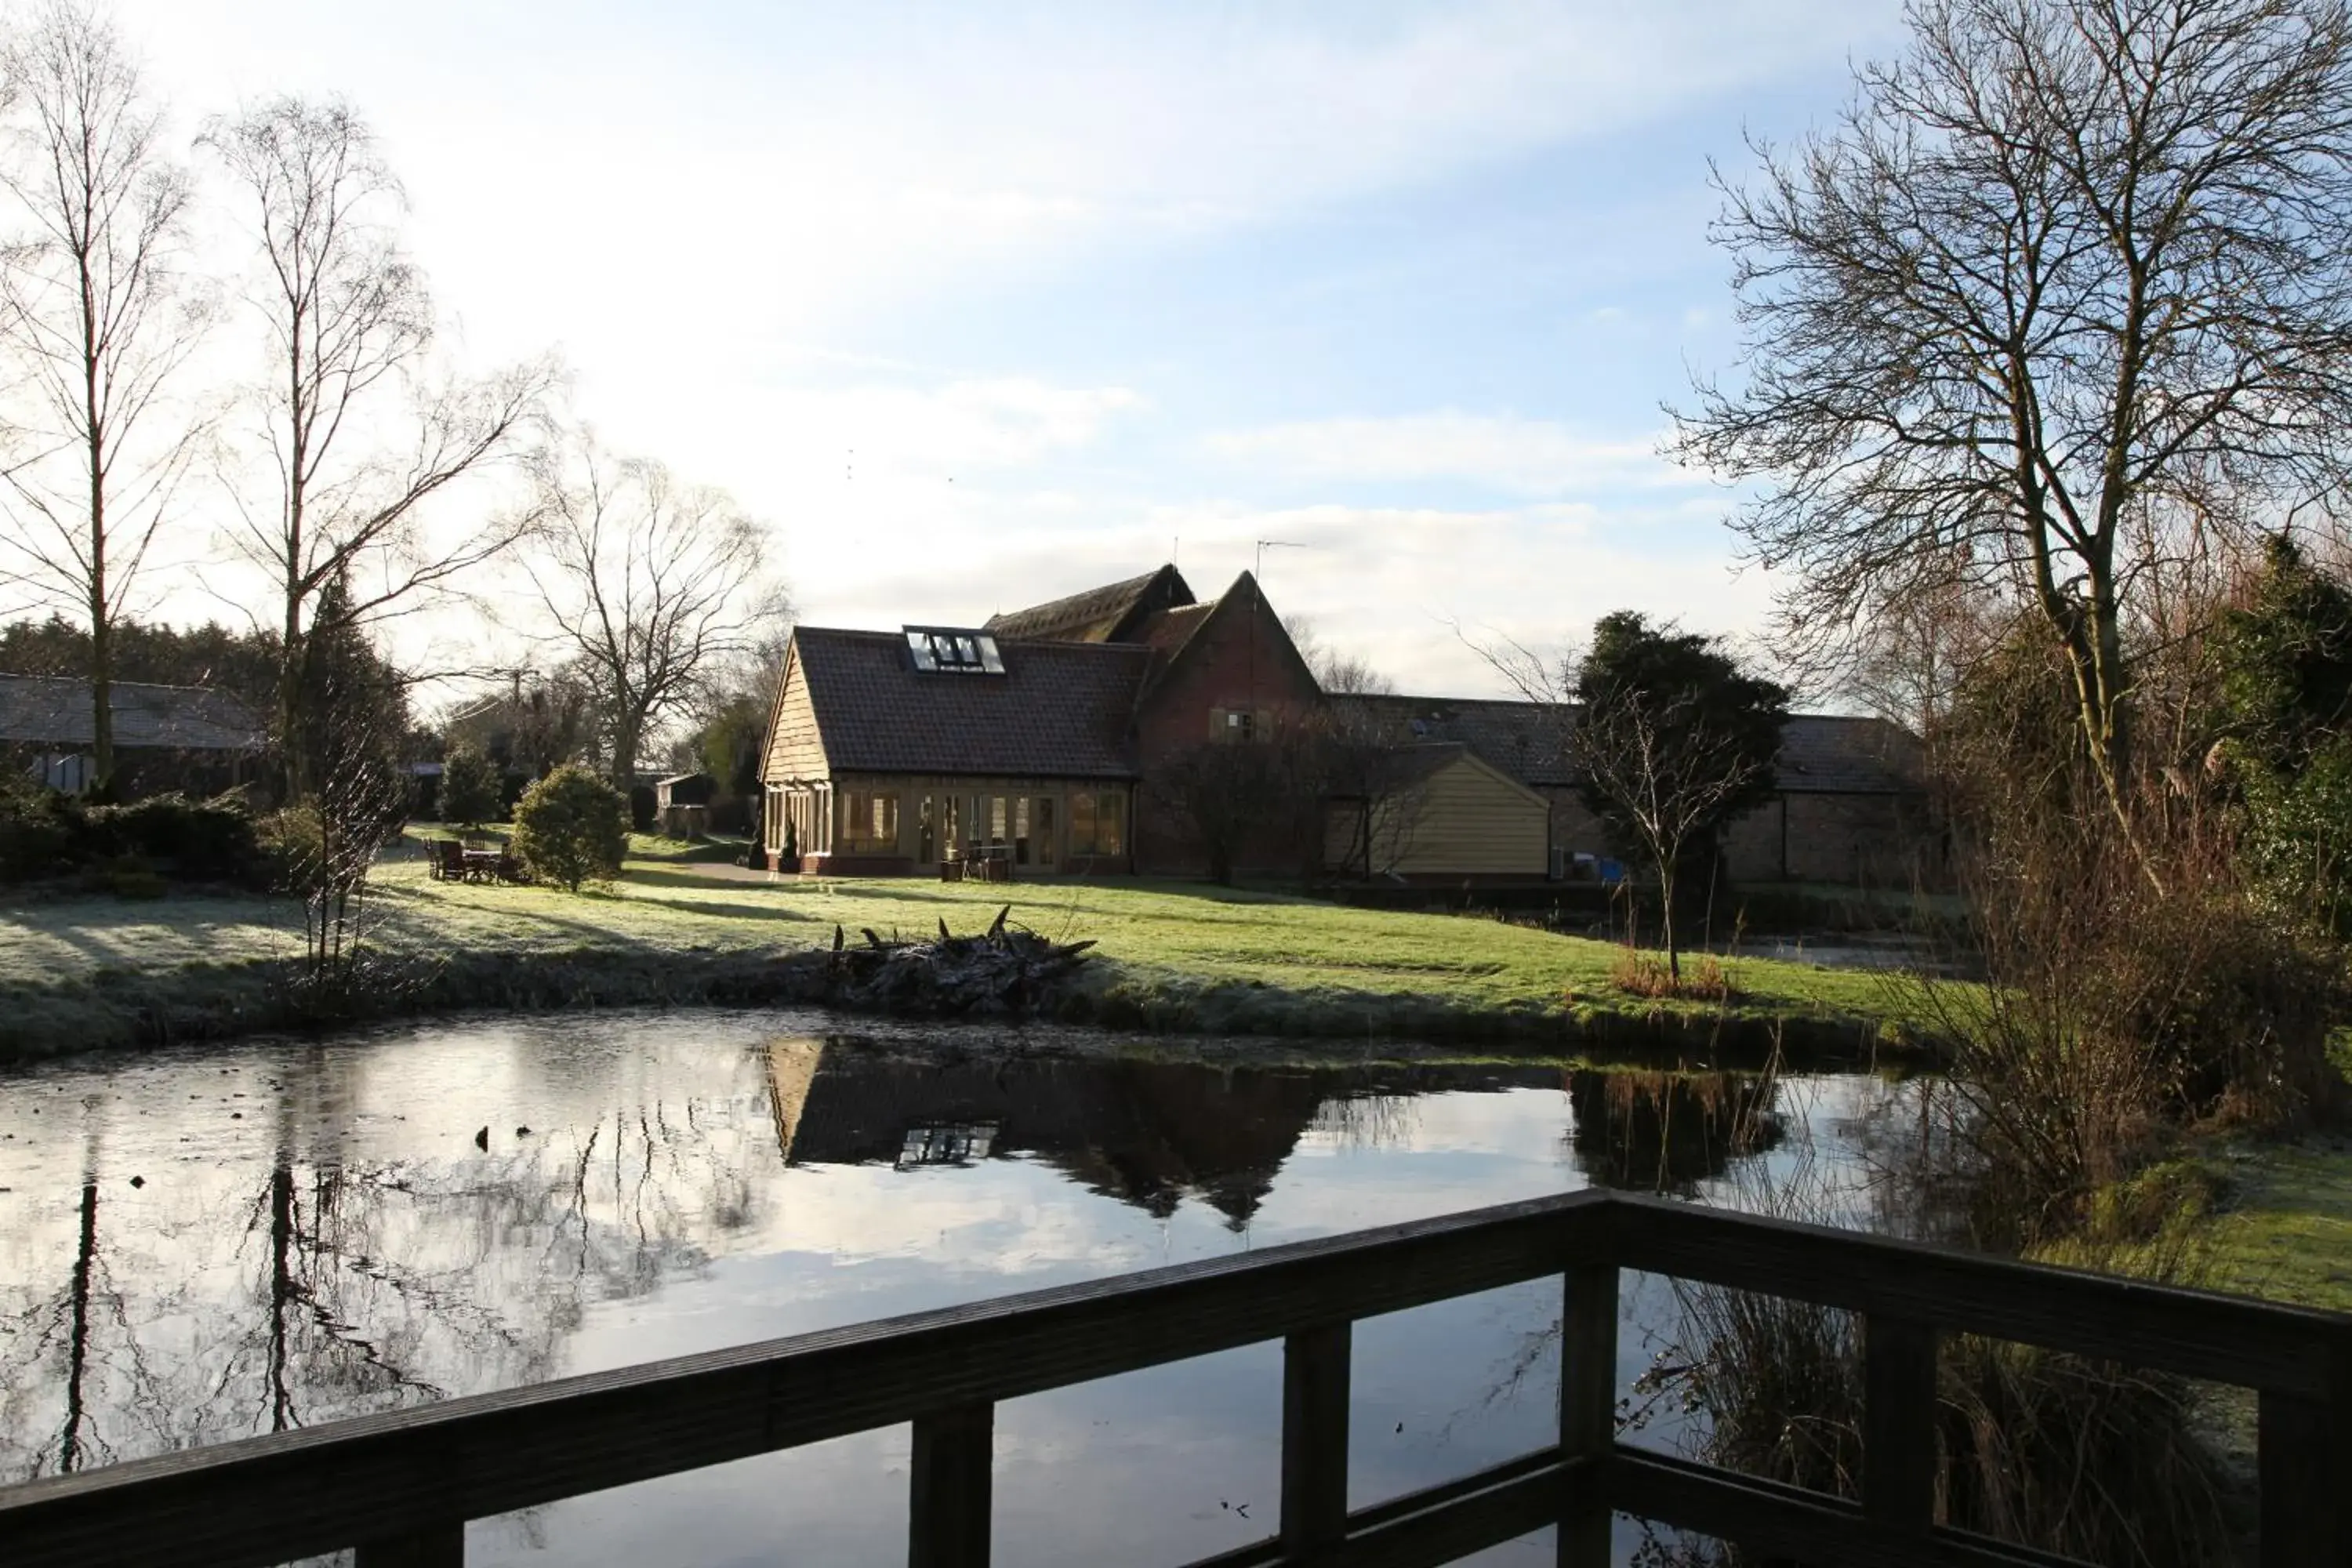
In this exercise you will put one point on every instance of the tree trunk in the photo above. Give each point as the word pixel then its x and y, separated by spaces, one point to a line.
pixel 1666 920
pixel 101 648
pixel 628 733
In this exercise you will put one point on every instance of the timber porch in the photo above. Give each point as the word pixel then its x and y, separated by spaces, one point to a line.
pixel 401 1485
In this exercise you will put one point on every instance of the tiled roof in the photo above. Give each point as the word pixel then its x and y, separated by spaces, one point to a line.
pixel 1097 614
pixel 1524 739
pixel 54 710
pixel 1820 752
pixel 1061 710
pixel 1826 754
pixel 1166 631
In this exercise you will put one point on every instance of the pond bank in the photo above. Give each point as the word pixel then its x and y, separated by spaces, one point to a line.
pixel 116 1006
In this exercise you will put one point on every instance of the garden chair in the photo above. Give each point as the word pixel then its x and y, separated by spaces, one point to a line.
pixel 448 860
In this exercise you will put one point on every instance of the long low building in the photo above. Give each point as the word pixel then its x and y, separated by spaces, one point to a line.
pixel 1847 806
pixel 192 739
pixel 1049 738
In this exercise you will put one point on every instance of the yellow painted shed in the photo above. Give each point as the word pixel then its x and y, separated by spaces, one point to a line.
pixel 1438 812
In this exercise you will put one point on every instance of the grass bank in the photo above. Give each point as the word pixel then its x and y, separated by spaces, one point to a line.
pixel 2281 1226
pixel 81 971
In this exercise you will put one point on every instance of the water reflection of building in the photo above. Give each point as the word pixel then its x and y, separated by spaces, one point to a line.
pixel 1148 1133
pixel 1659 1132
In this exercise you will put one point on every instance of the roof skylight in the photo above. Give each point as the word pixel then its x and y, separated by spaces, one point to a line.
pixel 953 650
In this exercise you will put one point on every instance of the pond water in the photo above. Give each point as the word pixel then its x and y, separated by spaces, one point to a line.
pixel 201 1246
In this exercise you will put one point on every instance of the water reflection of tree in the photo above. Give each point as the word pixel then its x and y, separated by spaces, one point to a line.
pixel 1369 1120
pixel 1666 1133
pixel 313 1283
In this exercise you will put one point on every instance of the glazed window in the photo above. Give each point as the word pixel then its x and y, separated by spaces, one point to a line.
pixel 869 824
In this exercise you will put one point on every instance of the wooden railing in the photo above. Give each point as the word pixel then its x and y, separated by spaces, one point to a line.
pixel 401 1485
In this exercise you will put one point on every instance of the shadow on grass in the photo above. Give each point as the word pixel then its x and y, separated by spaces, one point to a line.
pixel 756 912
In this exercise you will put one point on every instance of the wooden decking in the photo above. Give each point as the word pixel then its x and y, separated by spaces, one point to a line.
pixel 401 1485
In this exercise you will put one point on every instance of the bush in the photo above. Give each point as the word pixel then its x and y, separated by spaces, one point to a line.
pixel 1638 974
pixel 198 841
pixel 572 826
pixel 469 787
pixel 45 833
pixel 41 831
pixel 290 840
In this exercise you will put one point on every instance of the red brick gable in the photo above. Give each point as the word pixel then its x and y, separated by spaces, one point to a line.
pixel 1234 657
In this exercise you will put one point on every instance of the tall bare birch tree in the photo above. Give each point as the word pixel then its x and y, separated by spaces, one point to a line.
pixel 361 427
pixel 2067 290
pixel 654 585
pixel 99 317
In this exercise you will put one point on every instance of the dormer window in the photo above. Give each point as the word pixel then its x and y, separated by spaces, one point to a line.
pixel 952 650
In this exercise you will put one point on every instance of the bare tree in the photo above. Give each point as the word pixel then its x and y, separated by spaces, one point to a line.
pixel 1374 780
pixel 100 316
pixel 350 720
pixel 2067 270
pixel 360 431
pixel 655 586
pixel 1669 777
pixel 1339 673
pixel 1226 798
pixel 1672 738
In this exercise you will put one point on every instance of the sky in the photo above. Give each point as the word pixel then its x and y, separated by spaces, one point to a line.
pixel 976 306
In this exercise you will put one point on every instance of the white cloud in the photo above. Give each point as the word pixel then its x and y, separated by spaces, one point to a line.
pixel 598 175
pixel 1525 457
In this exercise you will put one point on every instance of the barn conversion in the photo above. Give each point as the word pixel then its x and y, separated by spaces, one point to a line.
pixel 1049 741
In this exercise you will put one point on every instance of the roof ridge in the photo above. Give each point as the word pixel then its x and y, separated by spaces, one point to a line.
pixel 118 682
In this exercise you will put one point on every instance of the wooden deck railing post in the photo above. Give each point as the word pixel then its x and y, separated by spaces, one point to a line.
pixel 2304 1464
pixel 1899 1424
pixel 948 1494
pixel 1588 1411
pixel 1315 1377
pixel 441 1545
pixel 400 1482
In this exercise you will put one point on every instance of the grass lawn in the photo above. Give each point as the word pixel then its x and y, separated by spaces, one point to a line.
pixel 1254 962
pixel 1173 933
pixel 2286 1232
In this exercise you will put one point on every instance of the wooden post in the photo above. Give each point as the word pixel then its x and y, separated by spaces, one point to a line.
pixel 1588 1411
pixel 949 1512
pixel 1899 1424
pixel 1315 1377
pixel 441 1545
pixel 2306 1465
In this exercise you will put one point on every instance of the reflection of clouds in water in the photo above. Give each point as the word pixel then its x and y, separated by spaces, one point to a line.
pixel 317 1234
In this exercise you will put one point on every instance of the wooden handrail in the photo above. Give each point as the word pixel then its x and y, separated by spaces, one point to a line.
pixel 400 1485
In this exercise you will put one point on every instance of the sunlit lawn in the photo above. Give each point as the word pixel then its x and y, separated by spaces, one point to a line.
pixel 2287 1233
pixel 1186 933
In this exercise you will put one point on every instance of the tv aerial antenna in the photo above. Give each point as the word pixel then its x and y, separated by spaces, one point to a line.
pixel 1265 545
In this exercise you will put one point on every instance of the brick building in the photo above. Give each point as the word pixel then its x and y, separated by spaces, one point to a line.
pixel 1036 738
pixel 1847 804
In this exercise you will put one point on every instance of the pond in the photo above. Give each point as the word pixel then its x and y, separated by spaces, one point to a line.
pixel 197 1246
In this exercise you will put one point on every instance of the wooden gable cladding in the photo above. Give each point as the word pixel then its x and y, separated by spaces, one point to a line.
pixel 1451 816
pixel 795 748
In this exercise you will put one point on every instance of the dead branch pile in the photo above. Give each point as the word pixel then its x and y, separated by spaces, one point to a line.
pixel 1007 970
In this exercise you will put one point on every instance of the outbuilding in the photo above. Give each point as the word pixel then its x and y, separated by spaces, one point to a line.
pixel 1439 813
